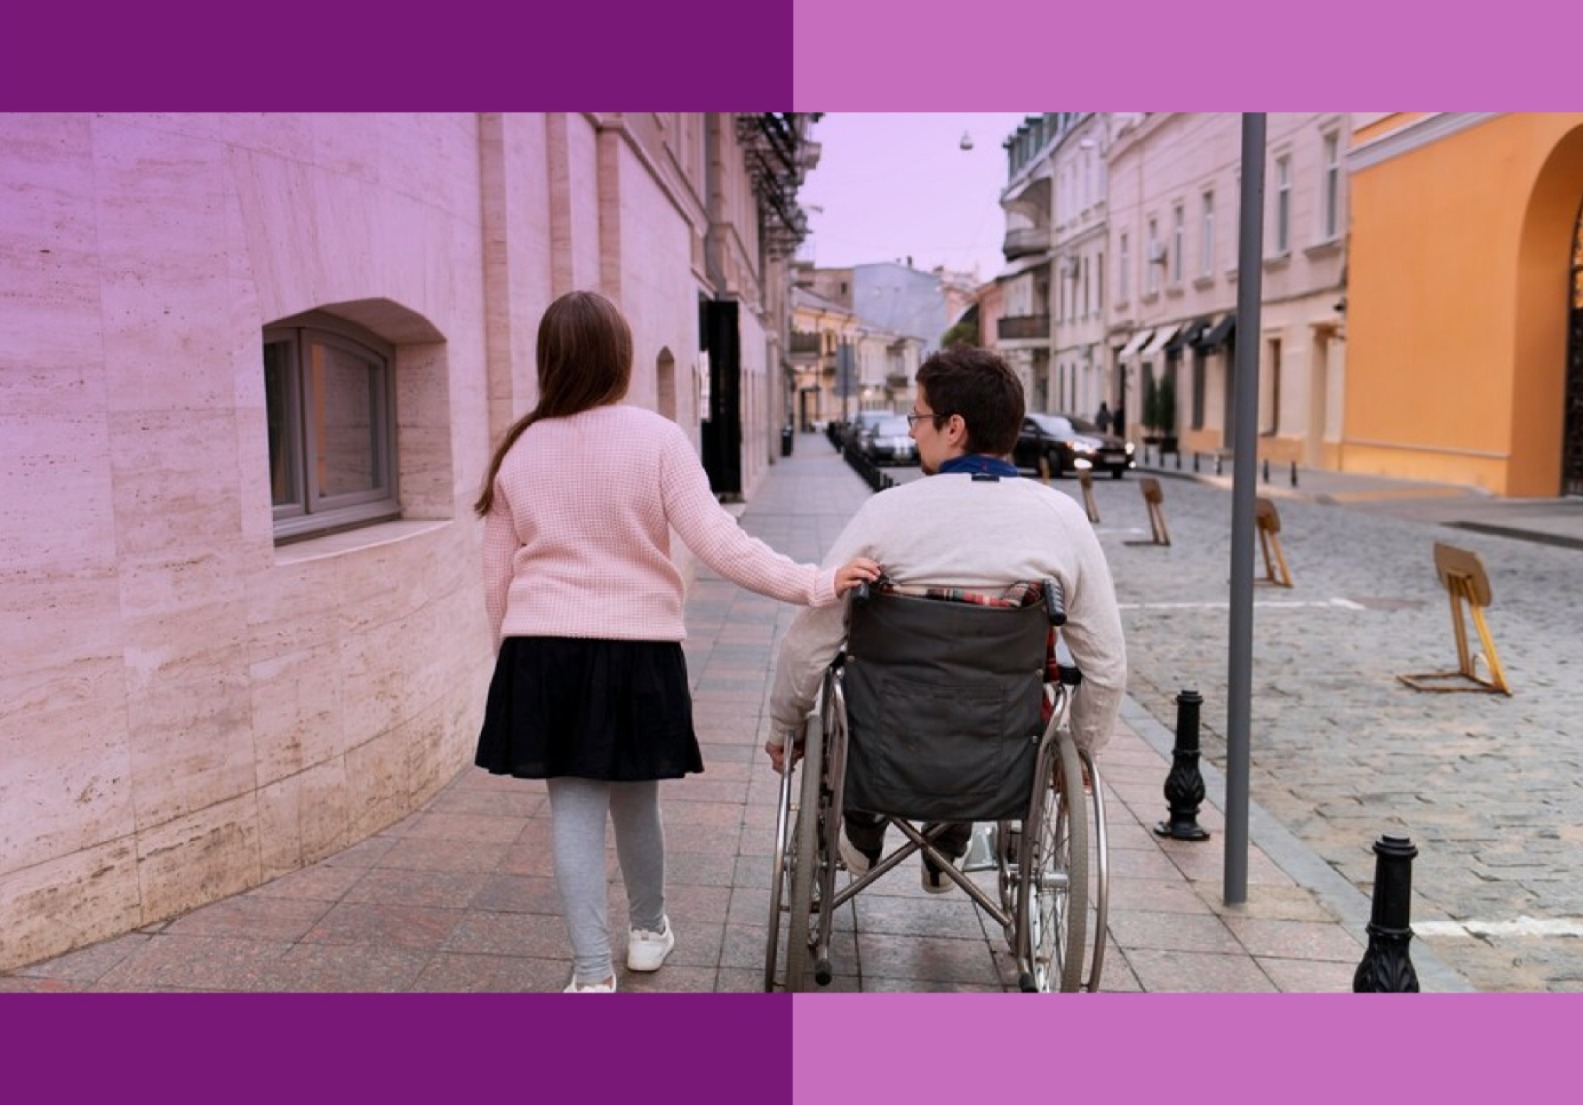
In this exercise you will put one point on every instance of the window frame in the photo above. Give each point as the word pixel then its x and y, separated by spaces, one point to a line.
pixel 1178 240
pixel 1330 187
pixel 1206 248
pixel 1283 205
pixel 310 513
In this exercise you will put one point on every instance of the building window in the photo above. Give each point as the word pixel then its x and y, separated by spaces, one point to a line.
pixel 1123 269
pixel 329 390
pixel 1331 211
pixel 1088 296
pixel 1155 259
pixel 1099 283
pixel 1283 206
pixel 1178 236
pixel 1206 247
pixel 1271 396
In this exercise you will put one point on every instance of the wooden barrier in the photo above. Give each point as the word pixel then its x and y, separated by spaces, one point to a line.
pixel 1268 523
pixel 1153 499
pixel 1087 481
pixel 1462 575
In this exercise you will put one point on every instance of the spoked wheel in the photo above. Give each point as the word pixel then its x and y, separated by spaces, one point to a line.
pixel 1008 834
pixel 784 863
pixel 804 864
pixel 1099 870
pixel 1053 876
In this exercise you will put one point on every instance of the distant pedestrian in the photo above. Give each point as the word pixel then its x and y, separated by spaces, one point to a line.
pixel 1102 419
pixel 590 688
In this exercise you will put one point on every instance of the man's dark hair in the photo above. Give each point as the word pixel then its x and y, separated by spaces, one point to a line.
pixel 977 385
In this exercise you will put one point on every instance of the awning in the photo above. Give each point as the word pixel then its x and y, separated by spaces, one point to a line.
pixel 1161 336
pixel 1135 343
pixel 1220 333
pixel 1190 333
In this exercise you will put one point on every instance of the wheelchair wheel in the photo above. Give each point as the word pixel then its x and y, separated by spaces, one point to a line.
pixel 780 877
pixel 1053 875
pixel 1099 873
pixel 805 863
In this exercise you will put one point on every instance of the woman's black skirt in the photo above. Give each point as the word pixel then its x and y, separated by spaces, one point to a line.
pixel 593 709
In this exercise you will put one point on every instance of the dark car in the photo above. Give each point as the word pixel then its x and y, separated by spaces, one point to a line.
pixel 1068 444
pixel 887 441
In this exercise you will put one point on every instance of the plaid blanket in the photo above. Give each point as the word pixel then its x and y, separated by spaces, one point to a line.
pixel 1012 597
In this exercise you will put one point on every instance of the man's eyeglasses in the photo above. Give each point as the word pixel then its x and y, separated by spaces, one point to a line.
pixel 914 419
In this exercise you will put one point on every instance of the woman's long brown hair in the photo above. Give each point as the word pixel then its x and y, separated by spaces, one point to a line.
pixel 585 361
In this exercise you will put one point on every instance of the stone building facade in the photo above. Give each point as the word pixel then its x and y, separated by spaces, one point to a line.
pixel 251 371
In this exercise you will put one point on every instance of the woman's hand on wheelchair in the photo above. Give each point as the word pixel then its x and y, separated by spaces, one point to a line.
pixel 777 754
pixel 856 571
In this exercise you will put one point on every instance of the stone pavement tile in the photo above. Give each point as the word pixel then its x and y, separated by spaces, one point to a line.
pixel 1122 836
pixel 347 968
pixel 492 974
pixel 704 788
pixel 469 827
pixel 528 857
pixel 517 894
pixel 1154 896
pixel 732 749
pixel 750 905
pixel 739 980
pixel 420 854
pixel 719 815
pixel 1115 975
pixel 671 979
pixel 1284 903
pixel 698 869
pixel 956 918
pixel 1142 863
pixel 1203 865
pixel 924 958
pixel 1282 939
pixel 385 924
pixel 434 889
pixel 519 801
pixel 253 918
pixel 198 963
pixel 365 853
pixel 698 943
pixel 87 964
pixel 320 882
pixel 710 840
pixel 19 984
pixel 1196 972
pixel 753 870
pixel 1299 976
pixel 526 934
pixel 697 903
pixel 1183 932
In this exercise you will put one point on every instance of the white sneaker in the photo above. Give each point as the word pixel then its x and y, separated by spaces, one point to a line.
pixel 593 988
pixel 646 951
pixel 858 862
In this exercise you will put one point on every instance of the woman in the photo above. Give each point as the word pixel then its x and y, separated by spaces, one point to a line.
pixel 590 686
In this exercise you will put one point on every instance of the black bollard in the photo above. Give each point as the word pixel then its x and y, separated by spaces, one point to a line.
pixel 1184 786
pixel 1294 473
pixel 1195 460
pixel 1386 967
pixel 1218 460
pixel 1178 460
pixel 1266 469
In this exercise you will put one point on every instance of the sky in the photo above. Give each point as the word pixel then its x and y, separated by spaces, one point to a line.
pixel 893 185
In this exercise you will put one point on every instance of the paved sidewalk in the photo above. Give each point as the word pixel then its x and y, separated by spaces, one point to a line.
pixel 460 896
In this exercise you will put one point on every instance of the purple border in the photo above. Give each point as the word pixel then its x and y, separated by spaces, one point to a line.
pixel 1251 1047
pixel 1212 55
pixel 270 1048
pixel 469 55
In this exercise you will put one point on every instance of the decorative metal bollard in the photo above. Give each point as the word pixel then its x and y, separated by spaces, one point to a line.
pixel 1386 967
pixel 1294 473
pixel 1184 786
pixel 1266 469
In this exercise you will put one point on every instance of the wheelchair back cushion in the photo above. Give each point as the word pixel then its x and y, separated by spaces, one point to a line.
pixel 943 704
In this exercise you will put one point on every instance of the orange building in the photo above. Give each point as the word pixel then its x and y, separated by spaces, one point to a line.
pixel 1464 321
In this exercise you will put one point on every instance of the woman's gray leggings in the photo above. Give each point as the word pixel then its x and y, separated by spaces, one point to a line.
pixel 577 812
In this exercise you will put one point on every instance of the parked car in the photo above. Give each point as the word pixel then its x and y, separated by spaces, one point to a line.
pixel 862 422
pixel 887 441
pixel 1069 444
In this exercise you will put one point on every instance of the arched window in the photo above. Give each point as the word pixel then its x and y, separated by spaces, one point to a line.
pixel 329 391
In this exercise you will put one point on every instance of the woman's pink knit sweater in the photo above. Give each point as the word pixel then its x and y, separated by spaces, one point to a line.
pixel 578 543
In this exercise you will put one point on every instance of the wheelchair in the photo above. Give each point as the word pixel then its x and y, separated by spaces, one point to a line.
pixel 949 711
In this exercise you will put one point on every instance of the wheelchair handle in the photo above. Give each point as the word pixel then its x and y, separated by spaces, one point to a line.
pixel 1054 603
pixel 861 594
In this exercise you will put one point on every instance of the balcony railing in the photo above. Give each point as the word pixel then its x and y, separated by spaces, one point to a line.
pixel 805 343
pixel 1023 327
pixel 1026 240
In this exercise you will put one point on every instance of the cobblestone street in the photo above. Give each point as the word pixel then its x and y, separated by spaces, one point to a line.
pixel 1488 787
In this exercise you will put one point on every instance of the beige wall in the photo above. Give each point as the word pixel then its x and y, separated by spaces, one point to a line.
pixel 186 708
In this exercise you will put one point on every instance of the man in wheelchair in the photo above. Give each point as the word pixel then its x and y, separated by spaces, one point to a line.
pixel 974 531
